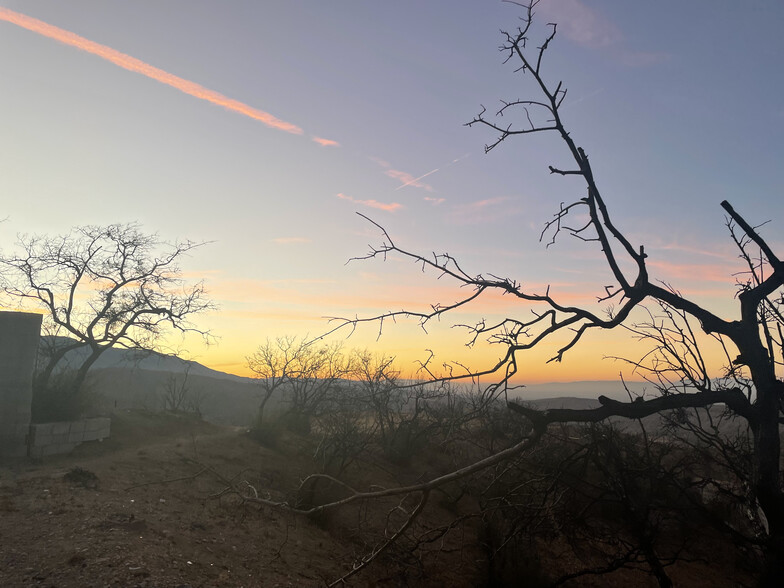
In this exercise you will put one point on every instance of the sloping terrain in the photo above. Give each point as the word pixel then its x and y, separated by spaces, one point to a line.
pixel 219 400
pixel 142 509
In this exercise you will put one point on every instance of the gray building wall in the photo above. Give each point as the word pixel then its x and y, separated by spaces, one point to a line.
pixel 19 335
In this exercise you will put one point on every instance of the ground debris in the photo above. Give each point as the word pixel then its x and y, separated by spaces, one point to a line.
pixel 78 476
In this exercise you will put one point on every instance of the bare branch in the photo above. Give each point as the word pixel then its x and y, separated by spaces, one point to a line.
pixel 734 398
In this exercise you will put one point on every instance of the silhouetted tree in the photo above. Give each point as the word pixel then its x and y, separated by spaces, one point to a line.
pixel 176 391
pixel 274 364
pixel 752 388
pixel 611 499
pixel 304 372
pixel 101 287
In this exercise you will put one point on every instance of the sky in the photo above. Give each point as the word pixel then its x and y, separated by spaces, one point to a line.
pixel 262 128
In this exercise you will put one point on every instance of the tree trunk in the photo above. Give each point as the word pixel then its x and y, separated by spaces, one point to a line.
pixel 767 476
pixel 81 373
pixel 768 491
pixel 264 399
pixel 56 356
pixel 657 569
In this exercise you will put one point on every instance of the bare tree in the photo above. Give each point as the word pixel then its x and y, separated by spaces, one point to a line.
pixel 361 411
pixel 750 387
pixel 273 364
pixel 303 372
pixel 176 390
pixel 377 382
pixel 753 388
pixel 102 287
pixel 617 499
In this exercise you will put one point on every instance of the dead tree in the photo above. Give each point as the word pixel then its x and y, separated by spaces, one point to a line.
pixel 753 391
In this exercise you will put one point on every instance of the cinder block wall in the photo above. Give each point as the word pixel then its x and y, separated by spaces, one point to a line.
pixel 19 334
pixel 56 438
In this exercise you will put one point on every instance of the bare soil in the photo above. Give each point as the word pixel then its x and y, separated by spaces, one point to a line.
pixel 147 508
pixel 141 509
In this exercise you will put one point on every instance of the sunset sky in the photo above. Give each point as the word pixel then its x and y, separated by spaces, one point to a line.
pixel 263 126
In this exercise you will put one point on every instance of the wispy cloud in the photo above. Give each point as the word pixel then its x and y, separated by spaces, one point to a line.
pixel 406 179
pixel 584 25
pixel 290 240
pixel 582 98
pixel 689 272
pixel 434 201
pixel 316 297
pixel 415 181
pixel 274 314
pixel 580 23
pixel 246 290
pixel 487 210
pixel 388 206
pixel 145 69
pixel 725 255
pixel 379 161
pixel 481 204
pixel 326 142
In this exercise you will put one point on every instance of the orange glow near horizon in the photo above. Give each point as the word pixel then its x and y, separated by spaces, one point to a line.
pixel 137 66
pixel 582 364
pixel 273 308
pixel 590 360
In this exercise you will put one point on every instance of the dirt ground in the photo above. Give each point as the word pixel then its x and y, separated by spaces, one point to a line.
pixel 145 508
pixel 132 511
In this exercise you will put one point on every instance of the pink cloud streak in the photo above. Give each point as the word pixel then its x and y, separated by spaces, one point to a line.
pixel 137 66
pixel 389 207
pixel 487 210
pixel 434 201
pixel 326 142
pixel 408 180
pixel 693 272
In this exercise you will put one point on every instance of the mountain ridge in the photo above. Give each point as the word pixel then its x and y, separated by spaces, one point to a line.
pixel 161 362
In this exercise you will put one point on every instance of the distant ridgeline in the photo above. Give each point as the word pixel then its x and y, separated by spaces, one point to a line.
pixel 117 357
pixel 137 379
pixel 127 378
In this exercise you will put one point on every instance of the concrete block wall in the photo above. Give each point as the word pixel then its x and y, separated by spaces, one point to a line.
pixel 19 335
pixel 57 438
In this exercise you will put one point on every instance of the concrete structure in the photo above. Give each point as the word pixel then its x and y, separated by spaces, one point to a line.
pixel 56 438
pixel 19 335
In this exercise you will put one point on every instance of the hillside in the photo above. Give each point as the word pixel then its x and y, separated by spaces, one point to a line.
pixel 220 400
pixel 144 508
pixel 129 379
pixel 155 505
pixel 145 360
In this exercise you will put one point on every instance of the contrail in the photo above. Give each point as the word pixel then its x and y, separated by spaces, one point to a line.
pixel 586 97
pixel 415 180
pixel 432 171
pixel 138 66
